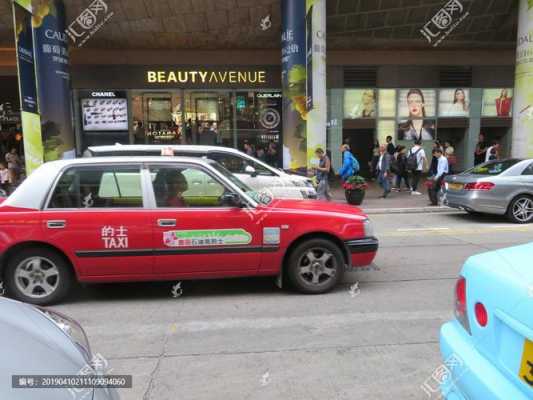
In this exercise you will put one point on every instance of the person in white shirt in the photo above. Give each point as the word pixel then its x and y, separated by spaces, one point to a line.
pixel 493 152
pixel 4 178
pixel 442 171
pixel 417 154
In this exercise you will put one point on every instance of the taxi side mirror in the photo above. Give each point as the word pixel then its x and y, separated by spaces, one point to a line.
pixel 231 199
pixel 250 170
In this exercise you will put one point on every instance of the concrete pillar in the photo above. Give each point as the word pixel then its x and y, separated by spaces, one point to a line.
pixel 293 82
pixel 316 79
pixel 476 104
pixel 522 142
pixel 303 77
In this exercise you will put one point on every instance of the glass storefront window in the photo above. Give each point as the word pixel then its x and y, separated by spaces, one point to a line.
pixel 247 120
pixel 209 117
pixel 258 119
pixel 157 118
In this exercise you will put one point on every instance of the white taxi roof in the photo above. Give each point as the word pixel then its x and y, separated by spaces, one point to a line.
pixel 159 147
pixel 32 192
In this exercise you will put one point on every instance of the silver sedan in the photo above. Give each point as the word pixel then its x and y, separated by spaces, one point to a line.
pixel 497 187
pixel 37 341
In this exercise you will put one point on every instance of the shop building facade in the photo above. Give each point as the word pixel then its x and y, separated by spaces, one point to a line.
pixel 223 88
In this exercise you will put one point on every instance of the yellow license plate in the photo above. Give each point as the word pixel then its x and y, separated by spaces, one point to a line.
pixel 526 366
pixel 455 186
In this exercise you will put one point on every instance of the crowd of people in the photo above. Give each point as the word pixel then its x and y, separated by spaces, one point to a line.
pixel 398 168
pixel 268 154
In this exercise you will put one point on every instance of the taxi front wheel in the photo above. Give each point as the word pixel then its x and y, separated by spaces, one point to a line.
pixel 38 276
pixel 315 266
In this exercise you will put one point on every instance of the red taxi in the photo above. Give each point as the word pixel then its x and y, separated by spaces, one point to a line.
pixel 159 218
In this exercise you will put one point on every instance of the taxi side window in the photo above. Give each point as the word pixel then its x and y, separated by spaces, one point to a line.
pixel 98 187
pixel 237 165
pixel 233 164
pixel 185 187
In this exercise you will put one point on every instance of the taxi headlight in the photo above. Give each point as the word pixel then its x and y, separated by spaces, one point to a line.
pixel 72 329
pixel 368 228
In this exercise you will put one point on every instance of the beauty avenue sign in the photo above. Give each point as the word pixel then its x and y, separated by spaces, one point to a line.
pixel 206 77
pixel 114 77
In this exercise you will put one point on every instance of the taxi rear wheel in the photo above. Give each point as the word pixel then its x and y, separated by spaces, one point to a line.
pixel 38 276
pixel 315 266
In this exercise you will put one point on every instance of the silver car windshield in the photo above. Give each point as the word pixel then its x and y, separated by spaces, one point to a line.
pixel 259 196
pixel 491 167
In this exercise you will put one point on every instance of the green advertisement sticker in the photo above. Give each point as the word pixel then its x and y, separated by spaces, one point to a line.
pixel 207 237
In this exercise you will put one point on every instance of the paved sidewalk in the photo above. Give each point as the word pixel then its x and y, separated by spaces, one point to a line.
pixel 396 202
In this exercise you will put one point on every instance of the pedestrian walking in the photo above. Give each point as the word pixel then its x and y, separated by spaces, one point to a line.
pixel 401 169
pixel 442 171
pixel 322 175
pixel 493 152
pixel 4 178
pixel 434 159
pixel 13 165
pixel 391 148
pixel 481 150
pixel 350 165
pixel 449 153
pixel 374 160
pixel 384 170
pixel 416 162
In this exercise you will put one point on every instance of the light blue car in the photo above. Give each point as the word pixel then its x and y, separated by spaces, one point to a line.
pixel 488 349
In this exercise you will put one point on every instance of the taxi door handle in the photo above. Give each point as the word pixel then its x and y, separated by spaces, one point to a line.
pixel 56 224
pixel 166 222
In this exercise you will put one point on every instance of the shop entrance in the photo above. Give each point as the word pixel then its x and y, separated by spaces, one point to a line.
pixel 361 142
pixel 501 135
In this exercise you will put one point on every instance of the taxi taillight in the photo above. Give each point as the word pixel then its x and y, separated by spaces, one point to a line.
pixel 461 312
pixel 482 316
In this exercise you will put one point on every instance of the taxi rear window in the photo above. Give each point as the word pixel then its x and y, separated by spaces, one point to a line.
pixel 98 187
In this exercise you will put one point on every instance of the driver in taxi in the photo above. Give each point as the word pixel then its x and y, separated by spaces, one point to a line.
pixel 176 185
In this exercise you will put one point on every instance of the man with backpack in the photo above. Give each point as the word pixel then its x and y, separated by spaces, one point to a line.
pixel 350 165
pixel 416 161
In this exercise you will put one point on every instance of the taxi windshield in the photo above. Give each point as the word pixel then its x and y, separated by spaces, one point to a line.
pixel 261 197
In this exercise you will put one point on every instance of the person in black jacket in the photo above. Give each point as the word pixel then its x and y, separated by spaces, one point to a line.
pixel 434 160
pixel 401 169
pixel 391 148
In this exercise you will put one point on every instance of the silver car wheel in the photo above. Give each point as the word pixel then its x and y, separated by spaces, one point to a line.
pixel 37 277
pixel 317 266
pixel 523 209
